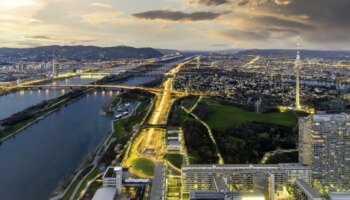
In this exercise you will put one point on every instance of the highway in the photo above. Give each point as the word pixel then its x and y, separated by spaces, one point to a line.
pixel 151 141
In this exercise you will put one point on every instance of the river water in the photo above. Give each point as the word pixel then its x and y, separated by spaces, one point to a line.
pixel 17 101
pixel 33 162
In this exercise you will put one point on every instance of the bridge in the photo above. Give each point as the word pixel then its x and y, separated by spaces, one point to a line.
pixel 97 86
pixel 152 90
pixel 103 74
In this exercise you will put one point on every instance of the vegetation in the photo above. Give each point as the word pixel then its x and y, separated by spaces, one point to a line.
pixel 144 165
pixel 290 157
pixel 223 117
pixel 244 136
pixel 200 147
pixel 75 183
pixel 91 176
pixel 80 52
pixel 175 159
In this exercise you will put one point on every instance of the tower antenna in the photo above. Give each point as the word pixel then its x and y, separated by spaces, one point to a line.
pixel 297 71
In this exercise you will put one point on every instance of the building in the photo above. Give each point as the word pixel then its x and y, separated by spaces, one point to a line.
pixel 117 185
pixel 297 81
pixel 54 68
pixel 113 177
pixel 158 183
pixel 174 140
pixel 303 191
pixel 339 196
pixel 267 179
pixel 324 145
pixel 233 195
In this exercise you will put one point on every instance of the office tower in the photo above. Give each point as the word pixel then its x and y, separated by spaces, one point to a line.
pixel 324 145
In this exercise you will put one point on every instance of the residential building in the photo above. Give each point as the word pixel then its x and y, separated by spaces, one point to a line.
pixel 324 145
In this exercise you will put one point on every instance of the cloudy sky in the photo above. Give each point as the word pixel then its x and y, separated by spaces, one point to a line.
pixel 177 24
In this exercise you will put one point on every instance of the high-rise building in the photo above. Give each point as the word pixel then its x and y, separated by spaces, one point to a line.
pixel 324 145
pixel 297 81
pixel 54 68
pixel 198 62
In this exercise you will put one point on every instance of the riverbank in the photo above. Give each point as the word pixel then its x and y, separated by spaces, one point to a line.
pixel 123 130
pixel 53 106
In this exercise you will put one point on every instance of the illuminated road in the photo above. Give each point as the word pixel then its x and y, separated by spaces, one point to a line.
pixel 151 141
pixel 252 61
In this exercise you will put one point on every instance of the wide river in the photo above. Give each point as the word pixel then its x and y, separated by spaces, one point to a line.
pixel 33 162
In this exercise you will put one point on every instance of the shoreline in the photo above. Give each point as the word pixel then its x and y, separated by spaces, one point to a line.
pixel 41 117
pixel 98 154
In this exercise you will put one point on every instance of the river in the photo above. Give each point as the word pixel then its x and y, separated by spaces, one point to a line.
pixel 33 163
pixel 19 100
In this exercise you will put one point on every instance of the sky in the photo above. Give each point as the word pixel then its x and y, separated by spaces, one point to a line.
pixel 177 24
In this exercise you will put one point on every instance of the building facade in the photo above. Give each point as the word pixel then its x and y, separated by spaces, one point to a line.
pixel 324 145
pixel 243 177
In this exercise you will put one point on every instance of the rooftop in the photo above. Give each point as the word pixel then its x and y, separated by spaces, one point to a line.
pixel 105 193
pixel 307 189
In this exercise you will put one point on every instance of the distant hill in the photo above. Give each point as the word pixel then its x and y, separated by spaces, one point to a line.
pixel 292 53
pixel 78 53
pixel 168 51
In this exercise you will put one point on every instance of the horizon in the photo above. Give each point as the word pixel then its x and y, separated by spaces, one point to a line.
pixel 185 25
pixel 189 50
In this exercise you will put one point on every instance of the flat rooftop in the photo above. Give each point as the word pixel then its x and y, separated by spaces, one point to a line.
pixel 282 166
pixel 339 195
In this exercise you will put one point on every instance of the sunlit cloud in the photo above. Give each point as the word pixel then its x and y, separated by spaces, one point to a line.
pixel 176 24
pixel 17 3
pixel 102 5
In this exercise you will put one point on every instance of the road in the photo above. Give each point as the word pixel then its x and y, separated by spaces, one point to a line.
pixel 151 141
pixel 218 154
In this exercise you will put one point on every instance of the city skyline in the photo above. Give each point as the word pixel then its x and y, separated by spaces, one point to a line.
pixel 191 24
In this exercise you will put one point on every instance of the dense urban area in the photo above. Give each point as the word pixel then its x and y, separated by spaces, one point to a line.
pixel 210 125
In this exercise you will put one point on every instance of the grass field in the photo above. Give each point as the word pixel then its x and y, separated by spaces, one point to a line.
pixel 225 117
pixel 143 165
pixel 175 159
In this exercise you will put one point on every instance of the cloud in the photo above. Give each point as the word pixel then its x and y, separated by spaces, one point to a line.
pixel 212 2
pixel 177 15
pixel 273 21
pixel 283 2
pixel 220 45
pixel 39 37
pixel 101 17
pixel 101 5
pixel 246 35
